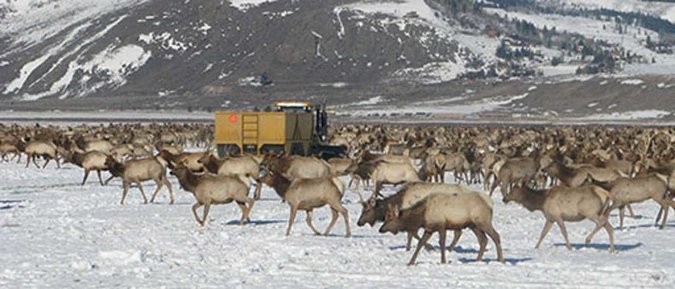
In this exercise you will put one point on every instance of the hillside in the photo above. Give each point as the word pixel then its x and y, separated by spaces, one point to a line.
pixel 213 54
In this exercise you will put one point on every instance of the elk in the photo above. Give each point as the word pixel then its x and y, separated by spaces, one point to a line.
pixel 569 176
pixel 209 189
pixel 190 160
pixel 45 149
pixel 392 174
pixel 297 167
pixel 560 204
pixel 433 168
pixel 625 191
pixel 89 161
pixel 6 148
pixel 93 144
pixel 458 164
pixel 440 212
pixel 307 195
pixel 515 171
pixel 137 171
pixel 374 209
pixel 245 165
pixel 342 166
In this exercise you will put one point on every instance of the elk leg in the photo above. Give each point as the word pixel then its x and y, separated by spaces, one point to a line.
pixel 378 187
pixel 630 211
pixel 494 186
pixel 345 215
pixel 424 240
pixel 309 222
pixel 490 231
pixel 172 195
pixel 108 180
pixel 207 206
pixel 658 217
pixel 291 219
pixel 124 192
pixel 332 221
pixel 244 212
pixel 455 239
pixel 35 161
pixel 98 173
pixel 250 203
pixel 544 232
pixel 482 242
pixel 158 185
pixel 86 175
pixel 442 233
pixel 46 163
pixel 622 212
pixel 140 188
pixel 194 212
pixel 426 246
pixel 258 189
pixel 598 225
pixel 408 244
pixel 58 165
pixel 610 233
pixel 665 216
pixel 563 230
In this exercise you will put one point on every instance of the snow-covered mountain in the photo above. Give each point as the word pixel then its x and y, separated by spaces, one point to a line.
pixel 62 49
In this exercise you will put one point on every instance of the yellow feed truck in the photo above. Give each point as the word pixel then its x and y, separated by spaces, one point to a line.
pixel 296 128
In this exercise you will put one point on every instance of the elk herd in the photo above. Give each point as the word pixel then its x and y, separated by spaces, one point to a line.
pixel 567 173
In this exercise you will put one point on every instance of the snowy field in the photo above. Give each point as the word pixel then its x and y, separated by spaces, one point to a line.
pixel 55 233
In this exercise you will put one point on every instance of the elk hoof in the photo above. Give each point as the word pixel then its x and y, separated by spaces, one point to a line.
pixel 348 235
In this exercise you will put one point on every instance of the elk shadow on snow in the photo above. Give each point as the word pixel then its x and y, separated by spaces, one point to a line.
pixel 9 204
pixel 512 261
pixel 44 187
pixel 456 249
pixel 343 236
pixel 256 222
pixel 668 225
pixel 603 247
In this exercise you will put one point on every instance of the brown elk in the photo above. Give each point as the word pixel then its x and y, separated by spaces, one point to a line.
pixel 297 167
pixel 569 176
pixel 560 204
pixel 441 212
pixel 625 191
pixel 8 148
pixel 247 166
pixel 45 149
pixel 191 160
pixel 209 189
pixel 374 209
pixel 307 195
pixel 385 173
pixel 519 170
pixel 137 171
pixel 89 161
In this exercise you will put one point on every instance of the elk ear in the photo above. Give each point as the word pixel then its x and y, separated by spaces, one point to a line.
pixel 372 202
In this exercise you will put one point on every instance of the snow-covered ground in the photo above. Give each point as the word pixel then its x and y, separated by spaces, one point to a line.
pixel 662 9
pixel 632 40
pixel 58 234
